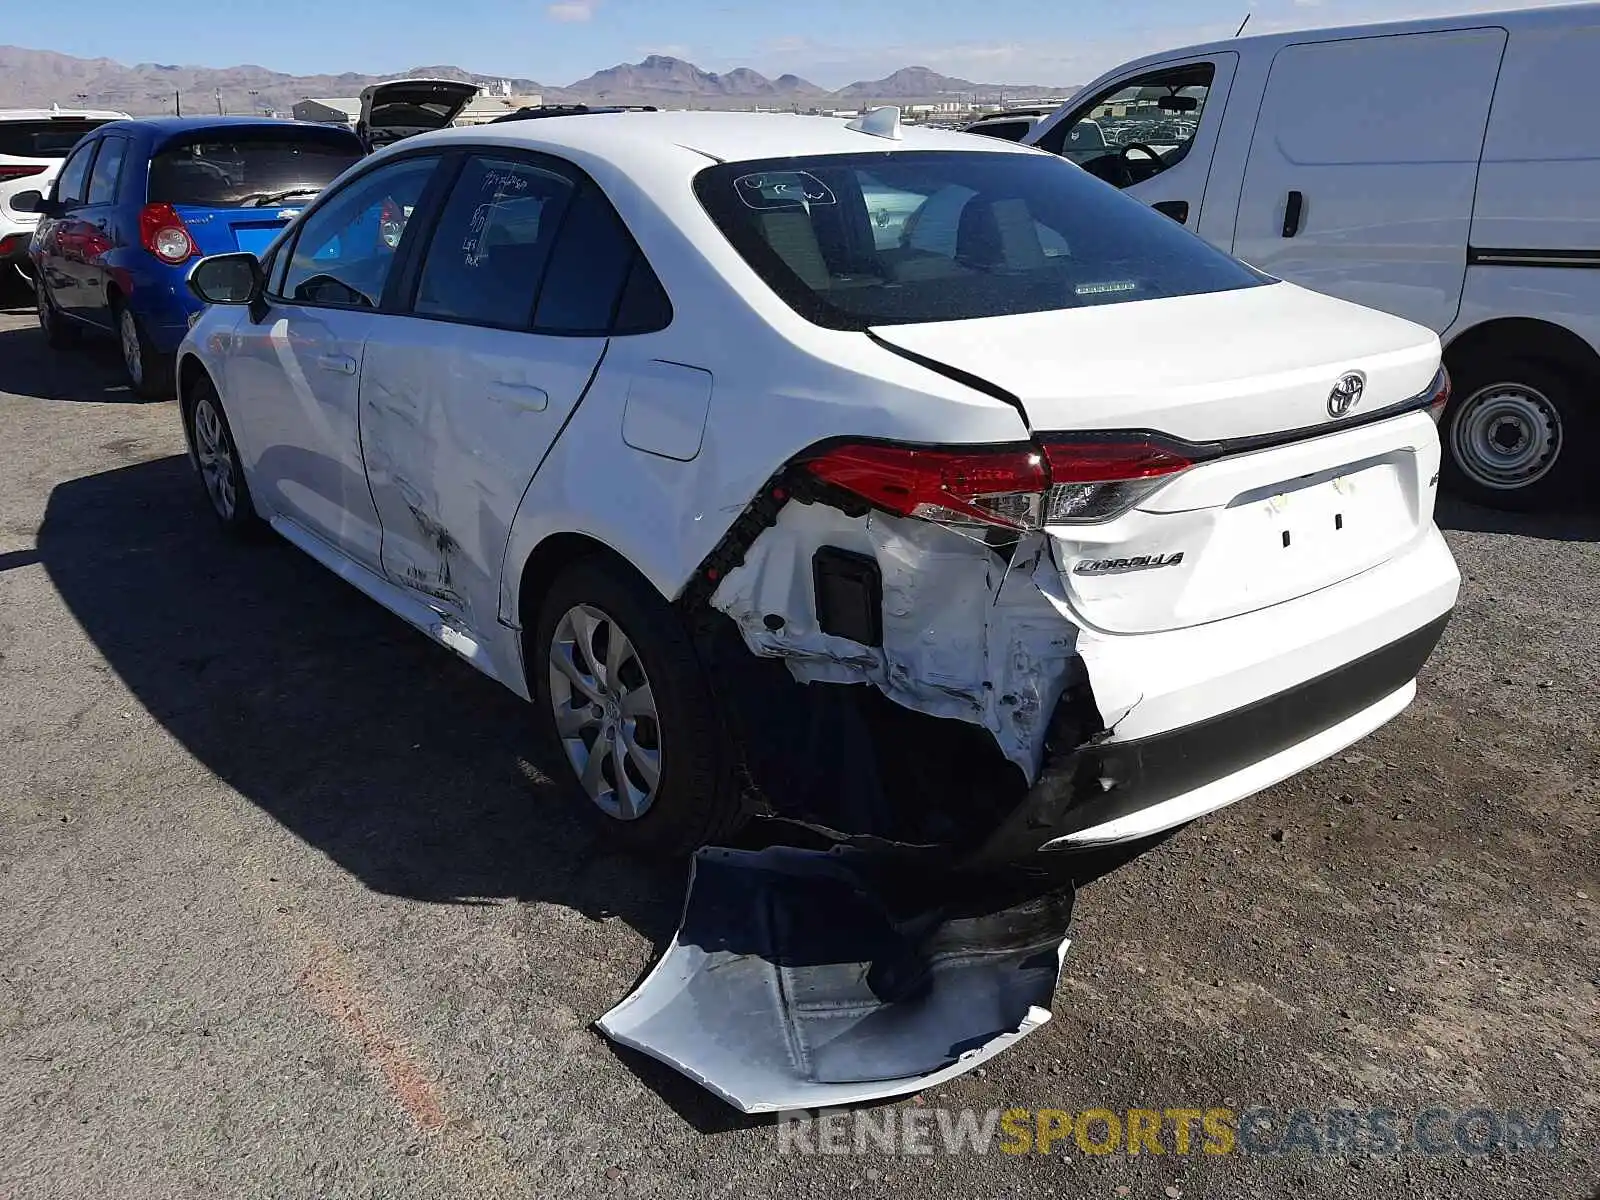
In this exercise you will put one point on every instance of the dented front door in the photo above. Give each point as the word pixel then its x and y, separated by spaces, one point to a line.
pixel 455 419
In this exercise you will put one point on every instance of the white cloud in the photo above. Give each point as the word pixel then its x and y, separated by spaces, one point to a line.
pixel 572 10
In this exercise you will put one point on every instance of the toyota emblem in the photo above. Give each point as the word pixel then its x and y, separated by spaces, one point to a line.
pixel 1346 394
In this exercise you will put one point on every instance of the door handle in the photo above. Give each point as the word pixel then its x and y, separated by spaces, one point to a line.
pixel 1292 209
pixel 340 364
pixel 527 396
pixel 1178 210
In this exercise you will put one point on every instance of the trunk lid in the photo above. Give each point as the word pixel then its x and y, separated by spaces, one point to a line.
pixel 225 230
pixel 404 107
pixel 1283 498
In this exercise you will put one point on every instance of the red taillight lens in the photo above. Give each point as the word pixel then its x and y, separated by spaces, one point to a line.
pixel 1093 481
pixel 1022 488
pixel 391 224
pixel 10 171
pixel 163 233
pixel 1000 487
pixel 1440 395
pixel 13 242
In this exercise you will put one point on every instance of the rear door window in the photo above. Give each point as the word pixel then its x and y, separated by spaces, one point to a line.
pixel 250 167
pixel 107 170
pixel 494 237
pixel 589 270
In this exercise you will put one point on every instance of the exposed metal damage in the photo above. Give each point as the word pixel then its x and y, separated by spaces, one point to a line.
pixel 895 938
pixel 967 631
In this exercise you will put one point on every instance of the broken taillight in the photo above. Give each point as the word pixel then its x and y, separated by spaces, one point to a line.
pixel 1020 488
pixel 1439 395
pixel 1098 480
pixel 963 487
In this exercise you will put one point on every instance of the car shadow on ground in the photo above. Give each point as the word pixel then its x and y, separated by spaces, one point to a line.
pixel 89 372
pixel 403 765
pixel 1571 524
pixel 406 767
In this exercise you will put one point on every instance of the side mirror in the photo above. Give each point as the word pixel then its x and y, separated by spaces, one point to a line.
pixel 228 279
pixel 31 201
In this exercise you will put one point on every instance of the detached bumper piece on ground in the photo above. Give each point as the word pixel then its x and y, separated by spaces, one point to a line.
pixel 792 983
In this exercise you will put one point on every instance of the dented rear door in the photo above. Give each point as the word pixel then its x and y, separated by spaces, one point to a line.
pixel 455 419
pixel 462 398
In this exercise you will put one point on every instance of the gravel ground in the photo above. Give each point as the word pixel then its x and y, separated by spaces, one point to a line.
pixel 289 910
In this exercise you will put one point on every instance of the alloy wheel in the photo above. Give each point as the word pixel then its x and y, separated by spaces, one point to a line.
pixel 1506 436
pixel 605 712
pixel 215 452
pixel 132 351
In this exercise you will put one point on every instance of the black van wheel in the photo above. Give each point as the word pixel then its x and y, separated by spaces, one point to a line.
pixel 1516 435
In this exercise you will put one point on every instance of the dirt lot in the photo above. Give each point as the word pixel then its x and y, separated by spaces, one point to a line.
pixel 289 912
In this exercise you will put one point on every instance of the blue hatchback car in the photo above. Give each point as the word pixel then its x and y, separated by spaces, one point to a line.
pixel 139 202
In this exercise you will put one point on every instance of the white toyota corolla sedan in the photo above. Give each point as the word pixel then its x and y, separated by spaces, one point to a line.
pixel 1027 522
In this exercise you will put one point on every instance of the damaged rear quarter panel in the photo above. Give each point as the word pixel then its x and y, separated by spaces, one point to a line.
pixel 968 633
pixel 663 515
pixel 781 384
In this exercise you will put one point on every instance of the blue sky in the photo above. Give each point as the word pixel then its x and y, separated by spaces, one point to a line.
pixel 830 42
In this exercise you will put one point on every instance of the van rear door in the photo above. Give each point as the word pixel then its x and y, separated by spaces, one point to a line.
pixel 1361 175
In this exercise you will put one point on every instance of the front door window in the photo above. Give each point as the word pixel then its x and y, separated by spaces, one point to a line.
pixel 1138 129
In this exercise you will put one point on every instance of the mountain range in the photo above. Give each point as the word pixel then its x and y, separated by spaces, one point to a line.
pixel 38 78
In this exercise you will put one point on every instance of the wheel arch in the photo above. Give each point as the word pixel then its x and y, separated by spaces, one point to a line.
pixel 190 371
pixel 1523 337
pixel 549 558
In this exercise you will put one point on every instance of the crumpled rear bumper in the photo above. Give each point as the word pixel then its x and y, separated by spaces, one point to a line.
pixel 800 979
pixel 1081 797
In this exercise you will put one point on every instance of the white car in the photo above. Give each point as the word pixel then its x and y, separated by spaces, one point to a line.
pixel 1011 125
pixel 33 144
pixel 1048 525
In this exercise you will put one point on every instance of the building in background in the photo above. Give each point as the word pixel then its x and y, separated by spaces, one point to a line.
pixel 330 110
pixel 496 101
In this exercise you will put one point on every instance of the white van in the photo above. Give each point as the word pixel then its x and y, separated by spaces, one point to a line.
pixel 1444 170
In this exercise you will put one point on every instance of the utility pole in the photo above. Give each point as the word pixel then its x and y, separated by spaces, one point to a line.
pixel 177 104
pixel 219 102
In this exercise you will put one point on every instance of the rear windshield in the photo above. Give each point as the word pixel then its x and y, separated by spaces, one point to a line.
pixel 250 167
pixel 43 139
pixel 855 240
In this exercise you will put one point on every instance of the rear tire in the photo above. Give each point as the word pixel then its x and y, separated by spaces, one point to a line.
pixel 149 372
pixel 217 456
pixel 1516 433
pixel 58 333
pixel 624 698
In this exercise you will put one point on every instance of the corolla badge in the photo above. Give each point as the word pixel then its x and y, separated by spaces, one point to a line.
pixel 1346 394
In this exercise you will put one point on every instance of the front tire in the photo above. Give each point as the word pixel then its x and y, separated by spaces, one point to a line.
pixel 1516 434
pixel 623 695
pixel 217 456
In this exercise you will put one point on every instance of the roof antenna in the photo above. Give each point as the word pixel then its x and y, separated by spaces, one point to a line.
pixel 879 122
pixel 1242 24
